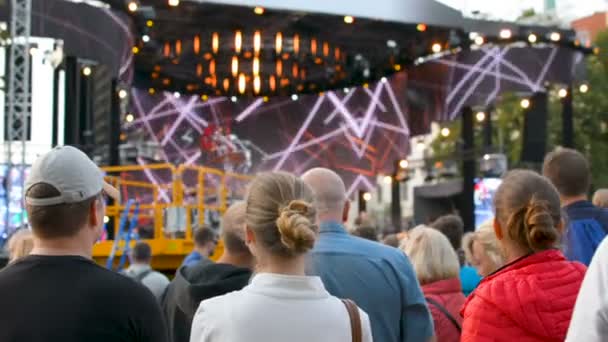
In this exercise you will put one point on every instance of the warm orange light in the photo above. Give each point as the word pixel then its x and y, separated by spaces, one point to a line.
pixel 279 42
pixel 155 75
pixel 166 81
pixel 257 42
pixel 296 44
pixel 215 42
pixel 258 10
pixel 295 70
pixel 167 50
pixel 247 54
pixel 197 44
pixel 207 56
pixel 421 27
pixel 135 50
pixel 157 67
pixel 337 53
pixel 318 60
pixel 151 91
pixel 199 70
pixel 272 82
pixel 256 66
pixel 279 67
pixel 325 49
pixel 212 67
pixel 303 74
pixel 257 84
pixel 208 80
pixel 238 41
pixel 284 82
pixel 235 66
pixel 242 83
pixel 226 84
pixel 178 47
pixel 313 46
pixel 397 67
pixel 285 56
pixel 214 81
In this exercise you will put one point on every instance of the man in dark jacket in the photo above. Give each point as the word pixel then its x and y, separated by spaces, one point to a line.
pixel 204 280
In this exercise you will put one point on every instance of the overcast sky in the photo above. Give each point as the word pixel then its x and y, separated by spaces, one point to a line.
pixel 511 9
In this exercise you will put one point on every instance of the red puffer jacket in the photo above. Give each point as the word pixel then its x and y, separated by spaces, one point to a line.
pixel 448 294
pixel 528 300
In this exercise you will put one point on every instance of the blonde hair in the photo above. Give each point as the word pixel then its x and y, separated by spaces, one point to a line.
pixel 600 198
pixel 431 255
pixel 20 244
pixel 281 214
pixel 486 237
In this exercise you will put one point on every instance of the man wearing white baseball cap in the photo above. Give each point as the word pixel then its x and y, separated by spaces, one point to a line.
pixel 58 293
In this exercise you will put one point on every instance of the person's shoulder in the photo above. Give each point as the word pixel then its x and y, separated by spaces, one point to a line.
pixel 372 249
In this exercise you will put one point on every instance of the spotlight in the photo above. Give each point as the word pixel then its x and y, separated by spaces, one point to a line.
pixel 388 180
pixel 367 197
pixel 397 67
pixel 233 99
pixel 258 10
pixel 383 80
pixel 135 50
pixel 204 97
pixel 532 38
pixel 145 38
pixel 404 164
pixel 445 132
pixel 346 90
pixel 33 50
pixel 122 94
pixel 349 19
pixel 562 93
pixel 132 6
pixel 505 34
pixel 173 3
pixel 525 103
pixel 583 88
pixel 294 97
pixel 436 48
pixel 106 219
pixel 555 36
pixel 486 157
pixel 129 117
pixel 151 91
pixel 421 27
pixel 391 43
pixel 266 98
pixel 149 23
pixel 479 40
pixel 87 71
pixel 481 116
pixel 177 95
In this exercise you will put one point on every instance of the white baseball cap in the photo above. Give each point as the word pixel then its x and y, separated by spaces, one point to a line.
pixel 72 173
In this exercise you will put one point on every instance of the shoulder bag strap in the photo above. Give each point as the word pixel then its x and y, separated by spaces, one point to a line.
pixel 355 320
pixel 140 277
pixel 445 312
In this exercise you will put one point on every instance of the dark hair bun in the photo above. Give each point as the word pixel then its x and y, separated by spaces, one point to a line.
pixel 540 226
pixel 298 231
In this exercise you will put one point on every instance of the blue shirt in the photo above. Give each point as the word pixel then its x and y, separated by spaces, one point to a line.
pixel 192 258
pixel 587 227
pixel 380 279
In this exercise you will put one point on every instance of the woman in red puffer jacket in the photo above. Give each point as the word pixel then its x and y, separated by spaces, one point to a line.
pixel 532 297
pixel 437 268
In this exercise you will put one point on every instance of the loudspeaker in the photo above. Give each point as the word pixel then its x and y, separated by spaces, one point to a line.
pixel 535 130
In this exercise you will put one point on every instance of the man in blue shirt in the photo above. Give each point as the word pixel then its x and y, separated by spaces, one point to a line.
pixel 380 279
pixel 205 242
pixel 587 225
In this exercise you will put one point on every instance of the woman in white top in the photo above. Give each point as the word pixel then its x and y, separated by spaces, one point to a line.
pixel 281 303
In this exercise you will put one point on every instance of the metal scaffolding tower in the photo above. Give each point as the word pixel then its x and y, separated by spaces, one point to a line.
pixel 19 97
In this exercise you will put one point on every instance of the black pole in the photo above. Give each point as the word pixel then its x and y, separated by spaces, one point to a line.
pixel 468 169
pixel 362 202
pixel 114 129
pixel 567 120
pixel 396 200
pixel 487 130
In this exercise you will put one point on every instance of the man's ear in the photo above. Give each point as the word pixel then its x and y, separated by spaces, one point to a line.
pixel 94 218
pixel 345 211
pixel 249 236
pixel 497 229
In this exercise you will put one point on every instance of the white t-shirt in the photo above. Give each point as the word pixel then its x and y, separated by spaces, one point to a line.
pixel 590 318
pixel 276 308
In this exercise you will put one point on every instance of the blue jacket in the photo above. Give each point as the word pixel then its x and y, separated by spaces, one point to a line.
pixel 380 279
pixel 587 226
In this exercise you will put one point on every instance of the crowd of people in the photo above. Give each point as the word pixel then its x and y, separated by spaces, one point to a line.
pixel 292 271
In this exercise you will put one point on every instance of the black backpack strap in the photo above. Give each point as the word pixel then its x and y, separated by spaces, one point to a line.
pixel 445 312
pixel 140 277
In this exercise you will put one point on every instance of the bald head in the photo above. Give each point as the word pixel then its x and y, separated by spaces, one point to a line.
pixel 233 229
pixel 329 191
pixel 600 199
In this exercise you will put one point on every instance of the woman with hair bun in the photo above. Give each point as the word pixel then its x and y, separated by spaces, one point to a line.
pixel 532 297
pixel 281 303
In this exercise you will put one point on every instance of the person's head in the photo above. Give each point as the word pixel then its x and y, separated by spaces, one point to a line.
pixel 365 232
pixel 482 249
pixel 431 254
pixel 452 227
pixel 391 240
pixel 600 198
pixel 569 172
pixel 141 253
pixel 330 194
pixel 233 232
pixel 65 198
pixel 528 214
pixel 205 241
pixel 20 245
pixel 280 217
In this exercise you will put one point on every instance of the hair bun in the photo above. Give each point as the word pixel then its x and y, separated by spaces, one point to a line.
pixel 540 225
pixel 298 232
